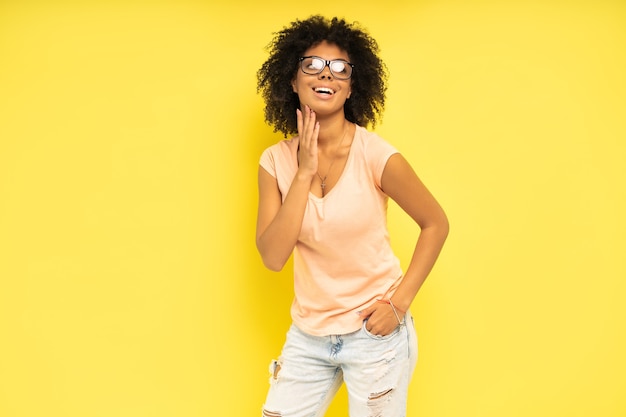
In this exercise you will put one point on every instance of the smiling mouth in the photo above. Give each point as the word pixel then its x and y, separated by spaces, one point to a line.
pixel 324 90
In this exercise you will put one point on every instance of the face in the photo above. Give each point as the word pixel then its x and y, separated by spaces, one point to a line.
pixel 323 92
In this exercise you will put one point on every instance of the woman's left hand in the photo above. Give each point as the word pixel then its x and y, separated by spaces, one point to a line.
pixel 381 319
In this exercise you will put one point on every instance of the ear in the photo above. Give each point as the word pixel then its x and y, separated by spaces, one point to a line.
pixel 293 86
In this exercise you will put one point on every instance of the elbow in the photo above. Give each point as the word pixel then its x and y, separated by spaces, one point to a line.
pixel 270 260
pixel 273 265
pixel 438 227
pixel 444 227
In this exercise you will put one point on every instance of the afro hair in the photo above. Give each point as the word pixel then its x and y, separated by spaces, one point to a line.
pixel 274 78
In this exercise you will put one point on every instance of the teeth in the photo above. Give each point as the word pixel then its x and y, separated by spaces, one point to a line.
pixel 324 90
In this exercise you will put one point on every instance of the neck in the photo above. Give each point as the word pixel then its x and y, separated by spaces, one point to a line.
pixel 331 131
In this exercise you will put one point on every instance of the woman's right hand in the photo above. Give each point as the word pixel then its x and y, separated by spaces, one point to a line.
pixel 308 132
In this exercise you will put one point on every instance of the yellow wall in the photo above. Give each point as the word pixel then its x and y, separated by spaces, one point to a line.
pixel 129 139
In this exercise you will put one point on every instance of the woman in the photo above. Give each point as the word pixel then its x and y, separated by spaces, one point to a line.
pixel 323 197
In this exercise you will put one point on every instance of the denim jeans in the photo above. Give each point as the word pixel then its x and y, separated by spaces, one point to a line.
pixel 310 370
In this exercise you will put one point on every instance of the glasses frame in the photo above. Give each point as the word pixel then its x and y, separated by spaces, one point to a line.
pixel 326 64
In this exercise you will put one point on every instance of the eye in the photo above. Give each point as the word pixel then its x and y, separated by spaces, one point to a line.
pixel 338 66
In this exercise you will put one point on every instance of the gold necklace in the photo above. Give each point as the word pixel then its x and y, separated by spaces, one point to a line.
pixel 323 180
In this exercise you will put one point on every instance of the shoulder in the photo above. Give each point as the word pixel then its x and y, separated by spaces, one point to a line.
pixel 283 146
pixel 279 154
pixel 375 151
pixel 372 143
pixel 373 147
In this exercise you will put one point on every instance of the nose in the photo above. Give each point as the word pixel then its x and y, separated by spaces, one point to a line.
pixel 326 73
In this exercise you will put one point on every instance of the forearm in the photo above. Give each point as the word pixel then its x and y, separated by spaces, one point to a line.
pixel 276 242
pixel 427 249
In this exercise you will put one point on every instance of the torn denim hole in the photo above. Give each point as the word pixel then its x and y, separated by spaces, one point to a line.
pixel 275 367
pixel 377 402
pixel 267 413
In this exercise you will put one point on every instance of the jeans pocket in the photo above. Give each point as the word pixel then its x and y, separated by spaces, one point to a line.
pixel 378 337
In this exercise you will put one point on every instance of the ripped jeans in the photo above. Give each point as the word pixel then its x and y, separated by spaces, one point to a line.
pixel 310 370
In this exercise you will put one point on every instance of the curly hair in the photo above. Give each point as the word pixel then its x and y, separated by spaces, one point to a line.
pixel 274 78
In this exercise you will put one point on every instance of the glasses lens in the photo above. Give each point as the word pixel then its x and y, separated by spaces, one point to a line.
pixel 312 65
pixel 340 69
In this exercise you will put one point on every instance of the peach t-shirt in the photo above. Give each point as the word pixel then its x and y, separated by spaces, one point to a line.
pixel 343 261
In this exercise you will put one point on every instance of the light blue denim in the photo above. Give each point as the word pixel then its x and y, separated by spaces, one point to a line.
pixel 310 370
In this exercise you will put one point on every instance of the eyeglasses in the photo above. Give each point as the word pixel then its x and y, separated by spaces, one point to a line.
pixel 339 68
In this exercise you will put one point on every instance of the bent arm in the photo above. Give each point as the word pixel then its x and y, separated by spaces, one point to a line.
pixel 400 182
pixel 278 223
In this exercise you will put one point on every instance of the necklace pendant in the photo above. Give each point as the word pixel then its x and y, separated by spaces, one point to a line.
pixel 323 179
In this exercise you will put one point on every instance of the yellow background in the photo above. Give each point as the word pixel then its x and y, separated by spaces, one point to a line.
pixel 129 139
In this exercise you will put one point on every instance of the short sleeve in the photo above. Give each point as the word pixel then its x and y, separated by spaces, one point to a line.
pixel 268 161
pixel 378 153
